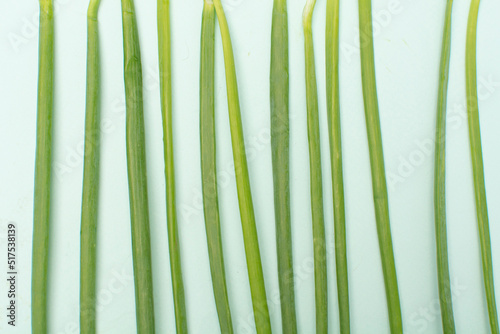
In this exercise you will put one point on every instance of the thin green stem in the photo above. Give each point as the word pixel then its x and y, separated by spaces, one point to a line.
pixel 379 184
pixel 316 179
pixel 280 142
pixel 250 238
pixel 90 193
pixel 477 165
pixel 168 151
pixel 333 112
pixel 137 176
pixel 41 209
pixel 445 298
pixel 209 167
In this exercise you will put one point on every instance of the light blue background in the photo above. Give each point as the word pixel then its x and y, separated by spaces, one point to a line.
pixel 407 47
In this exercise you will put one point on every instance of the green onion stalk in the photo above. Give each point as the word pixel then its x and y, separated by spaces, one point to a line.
pixel 379 183
pixel 445 297
pixel 280 142
pixel 90 193
pixel 318 220
pixel 477 165
pixel 333 112
pixel 250 238
pixel 41 209
pixel 209 167
pixel 164 54
pixel 137 179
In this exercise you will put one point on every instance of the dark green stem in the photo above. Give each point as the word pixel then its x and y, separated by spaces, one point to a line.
pixel 90 193
pixel 445 298
pixel 280 141
pixel 43 159
pixel 137 174
pixel 209 167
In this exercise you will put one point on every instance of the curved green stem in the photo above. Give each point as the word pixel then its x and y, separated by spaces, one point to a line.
pixel 164 55
pixel 280 142
pixel 250 238
pixel 477 165
pixel 379 183
pixel 137 176
pixel 41 209
pixel 333 111
pixel 90 193
pixel 209 167
pixel 318 220
pixel 445 297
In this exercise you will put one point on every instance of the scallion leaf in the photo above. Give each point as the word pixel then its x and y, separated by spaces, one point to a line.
pixel 137 176
pixel 280 145
pixel 379 183
pixel 477 165
pixel 440 181
pixel 164 55
pixel 333 108
pixel 254 264
pixel 209 167
pixel 90 193
pixel 43 159
pixel 316 179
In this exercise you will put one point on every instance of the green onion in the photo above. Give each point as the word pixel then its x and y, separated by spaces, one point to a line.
pixel 209 167
pixel 280 141
pixel 137 179
pixel 90 192
pixel 333 112
pixel 255 274
pixel 168 147
pixel 41 209
pixel 477 164
pixel 379 184
pixel 440 181
pixel 318 221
